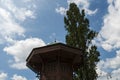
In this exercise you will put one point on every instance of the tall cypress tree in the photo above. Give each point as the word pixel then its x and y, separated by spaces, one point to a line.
pixel 79 35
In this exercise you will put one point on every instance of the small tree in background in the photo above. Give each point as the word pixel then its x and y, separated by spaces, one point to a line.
pixel 79 35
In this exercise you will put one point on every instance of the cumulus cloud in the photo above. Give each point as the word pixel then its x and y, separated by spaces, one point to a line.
pixel 20 13
pixel 18 77
pixel 3 76
pixel 114 62
pixel 100 69
pixel 106 47
pixel 12 14
pixel 8 27
pixel 109 34
pixel 111 63
pixel 104 75
pixel 109 40
pixel 10 17
pixel 21 49
pixel 83 4
pixel 110 76
pixel 61 10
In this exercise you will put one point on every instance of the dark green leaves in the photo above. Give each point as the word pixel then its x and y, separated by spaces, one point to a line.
pixel 80 35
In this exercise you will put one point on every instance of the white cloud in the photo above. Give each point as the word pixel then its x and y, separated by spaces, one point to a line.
pixel 109 63
pixel 21 49
pixel 3 76
pixel 111 76
pixel 18 77
pixel 20 13
pixel 107 47
pixel 90 12
pixel 114 62
pixel 23 13
pixel 8 27
pixel 19 65
pixel 83 4
pixel 110 31
pixel 109 40
pixel 61 10
pixel 10 13
pixel 101 73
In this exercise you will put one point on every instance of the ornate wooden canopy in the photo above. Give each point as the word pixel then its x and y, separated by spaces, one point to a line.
pixel 56 55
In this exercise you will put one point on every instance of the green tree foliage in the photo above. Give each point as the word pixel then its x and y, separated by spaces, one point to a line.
pixel 79 35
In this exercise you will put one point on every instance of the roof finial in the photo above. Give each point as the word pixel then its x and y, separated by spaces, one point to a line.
pixel 55 41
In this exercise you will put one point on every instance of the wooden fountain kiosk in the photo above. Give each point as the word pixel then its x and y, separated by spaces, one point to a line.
pixel 54 62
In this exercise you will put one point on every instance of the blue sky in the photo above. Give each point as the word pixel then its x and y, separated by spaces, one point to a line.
pixel 25 24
